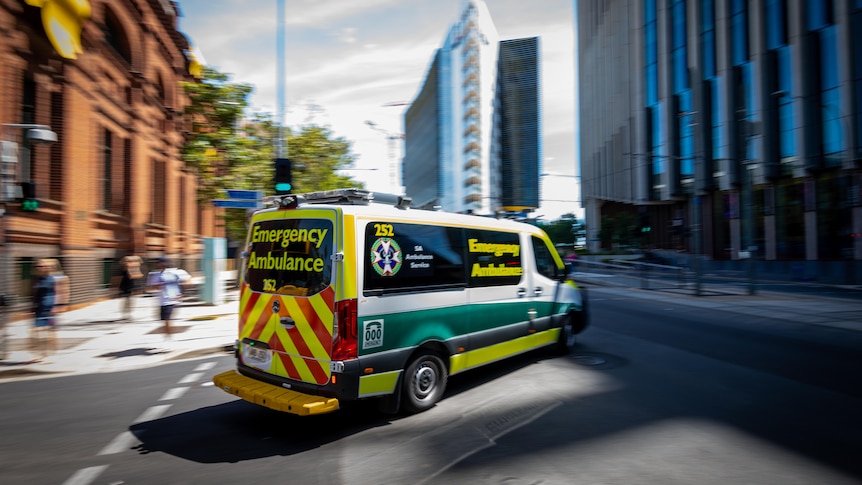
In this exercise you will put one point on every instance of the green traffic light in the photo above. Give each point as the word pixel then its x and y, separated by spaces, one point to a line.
pixel 282 187
pixel 29 204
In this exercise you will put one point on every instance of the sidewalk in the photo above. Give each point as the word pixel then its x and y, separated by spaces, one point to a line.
pixel 97 339
pixel 733 298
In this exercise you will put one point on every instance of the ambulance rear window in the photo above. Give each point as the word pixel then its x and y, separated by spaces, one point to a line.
pixel 290 256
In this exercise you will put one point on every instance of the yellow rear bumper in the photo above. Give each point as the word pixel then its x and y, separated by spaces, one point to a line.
pixel 273 397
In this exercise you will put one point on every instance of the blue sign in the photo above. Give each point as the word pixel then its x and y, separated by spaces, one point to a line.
pixel 237 204
pixel 245 194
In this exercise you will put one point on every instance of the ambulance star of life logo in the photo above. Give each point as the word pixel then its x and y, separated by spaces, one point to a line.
pixel 386 256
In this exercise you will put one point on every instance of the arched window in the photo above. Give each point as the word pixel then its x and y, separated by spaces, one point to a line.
pixel 116 37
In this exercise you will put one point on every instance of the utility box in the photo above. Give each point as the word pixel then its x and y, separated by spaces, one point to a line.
pixel 214 263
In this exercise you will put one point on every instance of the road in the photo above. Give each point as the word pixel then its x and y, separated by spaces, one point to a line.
pixel 655 393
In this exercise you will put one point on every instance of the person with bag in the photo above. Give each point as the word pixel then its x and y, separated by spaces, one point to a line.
pixel 50 292
pixel 168 281
pixel 130 274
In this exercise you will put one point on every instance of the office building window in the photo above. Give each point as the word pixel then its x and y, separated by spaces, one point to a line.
pixel 107 169
pixel 856 39
pixel 708 38
pixel 739 31
pixel 159 192
pixel 776 23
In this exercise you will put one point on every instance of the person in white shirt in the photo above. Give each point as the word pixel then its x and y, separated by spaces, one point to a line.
pixel 168 280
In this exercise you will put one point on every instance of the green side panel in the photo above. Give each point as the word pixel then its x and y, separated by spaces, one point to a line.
pixel 378 384
pixel 409 329
pixel 488 316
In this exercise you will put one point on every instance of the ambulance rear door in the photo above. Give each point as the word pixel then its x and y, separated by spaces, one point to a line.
pixel 287 298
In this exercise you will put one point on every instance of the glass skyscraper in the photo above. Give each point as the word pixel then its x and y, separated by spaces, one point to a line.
pixel 732 126
pixel 472 134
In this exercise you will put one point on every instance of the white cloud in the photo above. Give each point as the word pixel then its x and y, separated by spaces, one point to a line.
pixel 352 59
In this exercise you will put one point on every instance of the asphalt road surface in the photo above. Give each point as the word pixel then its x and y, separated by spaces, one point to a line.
pixel 655 393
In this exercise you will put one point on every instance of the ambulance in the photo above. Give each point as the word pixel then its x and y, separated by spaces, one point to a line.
pixel 348 295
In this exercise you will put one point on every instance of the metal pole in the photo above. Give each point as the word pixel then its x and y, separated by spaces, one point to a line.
pixel 697 234
pixel 4 297
pixel 751 248
pixel 281 143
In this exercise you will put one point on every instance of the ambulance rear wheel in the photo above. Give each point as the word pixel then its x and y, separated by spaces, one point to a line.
pixel 424 383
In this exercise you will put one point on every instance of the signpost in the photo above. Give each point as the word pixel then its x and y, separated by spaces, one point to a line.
pixel 241 199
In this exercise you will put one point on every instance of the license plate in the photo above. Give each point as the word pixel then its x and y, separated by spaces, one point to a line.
pixel 258 357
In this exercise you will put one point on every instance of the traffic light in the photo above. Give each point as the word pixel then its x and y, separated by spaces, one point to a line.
pixel 283 176
pixel 645 226
pixel 28 193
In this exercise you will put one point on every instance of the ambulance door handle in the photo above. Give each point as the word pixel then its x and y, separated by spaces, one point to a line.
pixel 522 292
pixel 538 291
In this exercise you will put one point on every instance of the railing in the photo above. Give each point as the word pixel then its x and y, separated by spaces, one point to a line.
pixel 621 272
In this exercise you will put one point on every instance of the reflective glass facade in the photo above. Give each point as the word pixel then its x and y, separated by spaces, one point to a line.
pixel 744 115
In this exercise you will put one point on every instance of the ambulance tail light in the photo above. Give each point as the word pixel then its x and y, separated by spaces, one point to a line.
pixel 345 339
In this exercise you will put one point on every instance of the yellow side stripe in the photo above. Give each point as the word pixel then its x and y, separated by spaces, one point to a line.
pixel 475 358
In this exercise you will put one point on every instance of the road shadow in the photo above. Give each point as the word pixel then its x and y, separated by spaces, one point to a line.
pixel 239 431
pixel 135 352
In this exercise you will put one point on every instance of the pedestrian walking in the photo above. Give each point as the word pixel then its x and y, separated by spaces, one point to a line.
pixel 167 280
pixel 50 295
pixel 130 268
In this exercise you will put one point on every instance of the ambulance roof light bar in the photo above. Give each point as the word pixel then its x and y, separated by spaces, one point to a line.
pixel 350 196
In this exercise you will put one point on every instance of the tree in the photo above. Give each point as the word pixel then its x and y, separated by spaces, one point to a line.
pixel 316 156
pixel 562 230
pixel 618 230
pixel 227 154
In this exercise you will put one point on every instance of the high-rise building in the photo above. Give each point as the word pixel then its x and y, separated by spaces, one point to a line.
pixel 462 139
pixel 731 125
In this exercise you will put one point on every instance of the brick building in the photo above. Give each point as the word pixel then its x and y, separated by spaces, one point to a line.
pixel 114 182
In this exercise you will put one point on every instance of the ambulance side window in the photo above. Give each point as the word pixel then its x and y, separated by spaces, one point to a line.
pixel 544 260
pixel 493 258
pixel 403 257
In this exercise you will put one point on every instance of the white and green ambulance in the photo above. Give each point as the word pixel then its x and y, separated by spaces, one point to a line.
pixel 345 297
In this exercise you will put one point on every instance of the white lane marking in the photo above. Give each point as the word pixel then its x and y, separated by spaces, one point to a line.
pixel 123 442
pixel 191 378
pixel 152 413
pixel 174 393
pixel 205 366
pixel 85 476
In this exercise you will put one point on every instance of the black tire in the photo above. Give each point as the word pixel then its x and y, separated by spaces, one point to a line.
pixel 575 323
pixel 567 339
pixel 424 383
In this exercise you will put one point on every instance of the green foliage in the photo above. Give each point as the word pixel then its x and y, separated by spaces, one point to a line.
pixel 562 230
pixel 618 230
pixel 316 156
pixel 230 152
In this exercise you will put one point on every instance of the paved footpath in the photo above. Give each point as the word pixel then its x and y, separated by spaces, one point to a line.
pixel 97 339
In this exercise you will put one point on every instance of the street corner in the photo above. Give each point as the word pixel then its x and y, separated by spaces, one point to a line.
pixel 18 364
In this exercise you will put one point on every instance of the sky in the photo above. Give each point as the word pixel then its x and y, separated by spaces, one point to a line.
pixel 354 65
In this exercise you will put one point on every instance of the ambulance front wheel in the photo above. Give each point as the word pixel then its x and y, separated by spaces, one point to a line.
pixel 424 382
pixel 574 324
